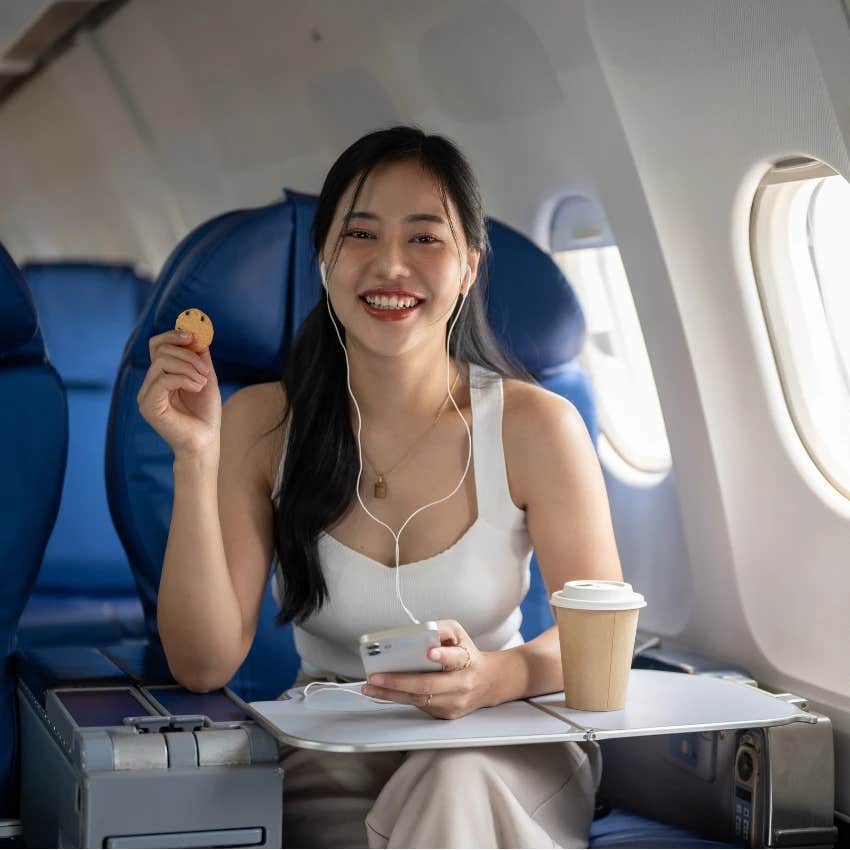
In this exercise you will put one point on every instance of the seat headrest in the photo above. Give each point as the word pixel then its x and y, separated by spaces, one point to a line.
pixel 86 312
pixel 254 279
pixel 253 272
pixel 533 309
pixel 18 317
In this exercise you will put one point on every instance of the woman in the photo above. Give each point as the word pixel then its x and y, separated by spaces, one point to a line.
pixel 399 212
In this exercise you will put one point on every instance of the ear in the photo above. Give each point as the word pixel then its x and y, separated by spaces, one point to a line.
pixel 473 257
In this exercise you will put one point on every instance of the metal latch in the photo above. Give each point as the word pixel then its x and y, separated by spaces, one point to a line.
pixel 170 723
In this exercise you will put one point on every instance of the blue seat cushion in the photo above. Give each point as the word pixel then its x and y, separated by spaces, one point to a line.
pixel 543 337
pixel 33 451
pixel 84 553
pixel 80 619
pixel 620 828
pixel 86 312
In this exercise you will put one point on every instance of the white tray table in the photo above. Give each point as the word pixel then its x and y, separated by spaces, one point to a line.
pixel 658 703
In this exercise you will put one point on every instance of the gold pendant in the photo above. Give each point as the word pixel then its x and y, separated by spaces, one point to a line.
pixel 380 488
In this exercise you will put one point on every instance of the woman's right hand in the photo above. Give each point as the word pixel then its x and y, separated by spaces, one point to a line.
pixel 179 397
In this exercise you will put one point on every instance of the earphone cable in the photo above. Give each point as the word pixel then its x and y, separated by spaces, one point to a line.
pixel 462 295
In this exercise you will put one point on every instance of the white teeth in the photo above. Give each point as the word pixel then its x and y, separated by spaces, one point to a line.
pixel 391 303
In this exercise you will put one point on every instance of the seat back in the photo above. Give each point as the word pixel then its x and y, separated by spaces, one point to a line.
pixel 250 271
pixel 85 588
pixel 33 451
pixel 253 271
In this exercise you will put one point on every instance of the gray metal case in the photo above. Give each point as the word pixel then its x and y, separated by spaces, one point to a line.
pixel 151 780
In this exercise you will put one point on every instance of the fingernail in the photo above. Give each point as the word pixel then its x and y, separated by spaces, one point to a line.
pixel 376 680
pixel 184 334
pixel 435 654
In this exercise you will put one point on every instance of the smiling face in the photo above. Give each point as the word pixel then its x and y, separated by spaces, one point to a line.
pixel 397 240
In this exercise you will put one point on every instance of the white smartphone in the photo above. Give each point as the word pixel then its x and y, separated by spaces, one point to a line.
pixel 401 650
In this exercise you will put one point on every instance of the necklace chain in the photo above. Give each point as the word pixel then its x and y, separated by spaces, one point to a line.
pixel 380 488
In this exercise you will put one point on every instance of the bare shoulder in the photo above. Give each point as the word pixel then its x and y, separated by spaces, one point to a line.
pixel 251 418
pixel 537 425
pixel 528 407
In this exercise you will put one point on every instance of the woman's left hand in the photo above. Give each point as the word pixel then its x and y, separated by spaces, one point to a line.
pixel 467 681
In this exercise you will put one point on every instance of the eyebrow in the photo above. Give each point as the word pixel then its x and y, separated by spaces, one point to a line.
pixel 436 219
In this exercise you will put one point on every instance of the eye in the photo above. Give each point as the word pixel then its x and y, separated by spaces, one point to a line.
pixel 433 239
pixel 358 233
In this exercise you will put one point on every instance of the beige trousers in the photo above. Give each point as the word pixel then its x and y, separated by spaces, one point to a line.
pixel 531 795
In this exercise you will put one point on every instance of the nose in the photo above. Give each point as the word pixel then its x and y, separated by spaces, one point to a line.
pixel 390 259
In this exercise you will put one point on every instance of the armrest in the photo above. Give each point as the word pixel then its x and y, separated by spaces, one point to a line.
pixel 42 668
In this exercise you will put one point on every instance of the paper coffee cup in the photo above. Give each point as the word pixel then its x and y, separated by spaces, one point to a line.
pixel 597 623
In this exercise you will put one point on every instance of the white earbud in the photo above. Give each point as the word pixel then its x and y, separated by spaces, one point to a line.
pixel 465 286
pixel 323 274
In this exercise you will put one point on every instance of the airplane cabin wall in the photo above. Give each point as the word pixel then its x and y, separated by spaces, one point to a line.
pixel 169 113
pixel 683 107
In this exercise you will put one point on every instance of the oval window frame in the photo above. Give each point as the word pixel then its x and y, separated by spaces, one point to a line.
pixel 807 363
pixel 580 235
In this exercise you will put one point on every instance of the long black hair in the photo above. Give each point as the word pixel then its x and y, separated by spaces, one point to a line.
pixel 321 464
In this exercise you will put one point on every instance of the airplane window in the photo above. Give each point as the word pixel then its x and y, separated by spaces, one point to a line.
pixel 614 355
pixel 801 256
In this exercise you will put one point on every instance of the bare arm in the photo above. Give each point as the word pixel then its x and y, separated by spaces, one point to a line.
pixel 569 521
pixel 219 549
pixel 197 612
pixel 220 538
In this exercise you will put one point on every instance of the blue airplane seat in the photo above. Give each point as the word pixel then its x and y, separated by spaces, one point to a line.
pixel 253 271
pixel 538 319
pixel 85 593
pixel 249 270
pixel 33 452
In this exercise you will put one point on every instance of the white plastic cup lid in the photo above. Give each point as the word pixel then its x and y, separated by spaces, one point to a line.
pixel 593 595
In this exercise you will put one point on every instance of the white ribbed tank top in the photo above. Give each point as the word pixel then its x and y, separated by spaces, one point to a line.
pixel 479 581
